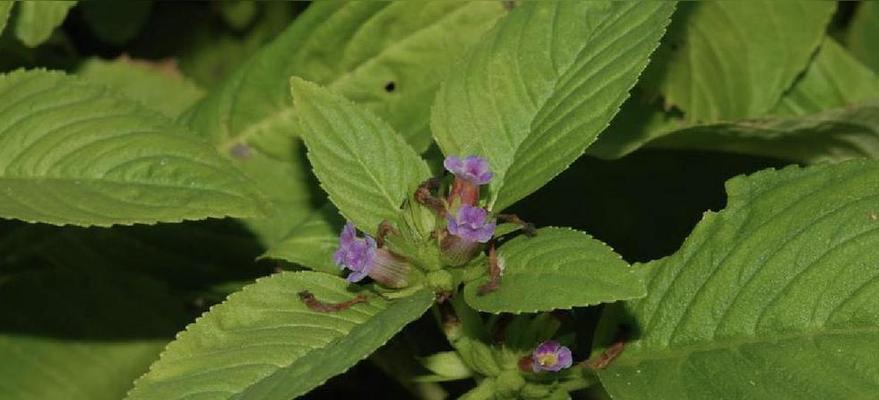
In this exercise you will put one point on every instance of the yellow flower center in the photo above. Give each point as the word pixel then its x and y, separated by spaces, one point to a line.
pixel 547 359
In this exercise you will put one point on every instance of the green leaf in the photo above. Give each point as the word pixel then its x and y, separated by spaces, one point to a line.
pixel 161 90
pixel 863 34
pixel 75 153
pixel 36 20
pixel 356 49
pixel 5 7
pixel 835 100
pixel 365 167
pixel 560 268
pixel 542 85
pixel 68 335
pixel 729 60
pixel 264 343
pixel 834 79
pixel 773 297
pixel 830 136
pixel 312 243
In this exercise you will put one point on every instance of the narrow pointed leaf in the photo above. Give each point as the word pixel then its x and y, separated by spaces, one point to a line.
pixel 36 20
pixel 559 268
pixel 773 297
pixel 264 343
pixel 367 169
pixel 541 86
pixel 76 153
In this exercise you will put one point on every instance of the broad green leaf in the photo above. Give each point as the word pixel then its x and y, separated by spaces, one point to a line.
pixel 728 60
pixel 5 7
pixel 863 34
pixel 834 79
pixel 560 268
pixel 264 343
pixel 830 136
pixel 68 335
pixel 156 86
pixel 76 153
pixel 365 167
pixel 356 49
pixel 116 22
pixel 828 115
pixel 36 20
pixel 311 243
pixel 542 85
pixel 772 298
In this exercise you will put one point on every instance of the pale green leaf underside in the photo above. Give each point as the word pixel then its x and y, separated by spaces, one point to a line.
pixel 355 48
pixel 736 59
pixel 88 337
pixel 863 34
pixel 365 167
pixel 264 343
pixel 159 90
pixel 830 136
pixel 560 268
pixel 541 86
pixel 75 153
pixel 772 298
pixel 830 114
pixel 312 243
pixel 36 20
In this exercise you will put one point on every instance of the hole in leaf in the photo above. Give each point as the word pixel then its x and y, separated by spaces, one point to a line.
pixel 390 87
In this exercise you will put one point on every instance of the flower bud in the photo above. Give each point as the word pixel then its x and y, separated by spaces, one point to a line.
pixel 470 173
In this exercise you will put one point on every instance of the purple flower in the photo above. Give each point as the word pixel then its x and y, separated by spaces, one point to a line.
pixel 363 257
pixel 551 356
pixel 470 224
pixel 356 254
pixel 471 168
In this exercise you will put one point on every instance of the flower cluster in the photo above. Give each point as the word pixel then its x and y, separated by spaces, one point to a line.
pixel 468 228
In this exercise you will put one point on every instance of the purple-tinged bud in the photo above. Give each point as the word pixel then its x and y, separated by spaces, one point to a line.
pixel 551 356
pixel 470 173
pixel 363 257
pixel 468 230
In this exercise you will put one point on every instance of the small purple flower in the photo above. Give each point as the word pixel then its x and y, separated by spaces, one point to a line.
pixel 471 224
pixel 471 168
pixel 356 254
pixel 551 356
pixel 363 257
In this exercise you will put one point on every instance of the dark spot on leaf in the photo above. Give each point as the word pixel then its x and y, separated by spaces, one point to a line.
pixel 390 87
pixel 240 151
